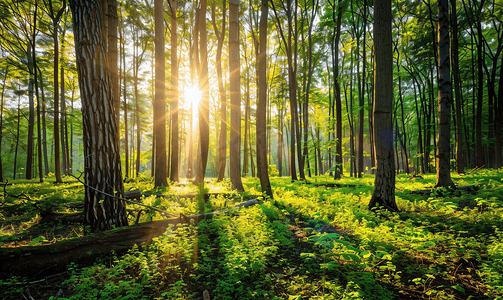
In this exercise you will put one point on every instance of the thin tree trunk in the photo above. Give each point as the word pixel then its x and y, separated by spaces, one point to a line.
pixel 203 112
pixel 17 135
pixel 159 98
pixel 6 71
pixel 235 96
pixel 261 123
pixel 444 98
pixel 57 153
pixel 174 95
pixel 31 116
pixel 222 148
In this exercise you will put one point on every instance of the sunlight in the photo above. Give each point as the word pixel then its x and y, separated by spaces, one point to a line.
pixel 191 95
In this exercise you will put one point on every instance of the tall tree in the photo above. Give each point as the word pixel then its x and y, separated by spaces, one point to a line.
pixel 222 140
pixel 460 162
pixel 384 184
pixel 337 18
pixel 444 98
pixel 292 83
pixel 4 83
pixel 103 174
pixel 174 94
pixel 235 96
pixel 204 109
pixel 262 165
pixel 55 18
pixel 159 98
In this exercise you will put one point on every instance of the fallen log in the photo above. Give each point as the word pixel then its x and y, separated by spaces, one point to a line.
pixel 37 261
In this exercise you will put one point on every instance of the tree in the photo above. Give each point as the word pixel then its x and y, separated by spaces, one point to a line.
pixel 444 98
pixel 222 140
pixel 160 98
pixel 204 110
pixel 384 184
pixel 235 96
pixel 103 176
pixel 55 18
pixel 4 83
pixel 460 162
pixel 292 84
pixel 174 94
pixel 262 165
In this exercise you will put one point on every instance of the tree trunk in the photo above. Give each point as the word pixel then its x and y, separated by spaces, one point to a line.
pixel 57 154
pixel 444 98
pixel 235 96
pixel 113 53
pixel 31 116
pixel 101 148
pixel 384 186
pixel 4 82
pixel 64 145
pixel 39 129
pixel 246 142
pixel 261 123
pixel 159 98
pixel 498 123
pixel 17 136
pixel 204 108
pixel 337 93
pixel 222 148
pixel 44 127
pixel 174 95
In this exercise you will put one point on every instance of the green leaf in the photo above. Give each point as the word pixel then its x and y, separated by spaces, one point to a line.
pixel 365 254
pixel 458 288
pixel 354 257
pixel 430 244
pixel 307 255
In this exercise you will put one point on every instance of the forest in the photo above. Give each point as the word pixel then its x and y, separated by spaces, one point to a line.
pixel 272 149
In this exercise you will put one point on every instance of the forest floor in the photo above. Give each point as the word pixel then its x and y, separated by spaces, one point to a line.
pixel 314 240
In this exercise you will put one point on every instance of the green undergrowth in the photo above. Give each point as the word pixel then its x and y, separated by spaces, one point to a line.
pixel 314 240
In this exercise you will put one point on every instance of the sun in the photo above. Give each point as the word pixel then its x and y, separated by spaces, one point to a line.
pixel 191 95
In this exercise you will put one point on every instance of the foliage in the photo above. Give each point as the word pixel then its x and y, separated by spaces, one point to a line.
pixel 312 241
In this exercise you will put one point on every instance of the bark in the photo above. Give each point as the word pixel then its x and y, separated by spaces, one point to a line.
pixel 101 147
pixel 174 95
pixel 444 98
pixel 159 98
pixel 384 185
pixel 261 123
pixel 235 97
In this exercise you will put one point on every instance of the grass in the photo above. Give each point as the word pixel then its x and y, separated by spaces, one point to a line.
pixel 310 242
